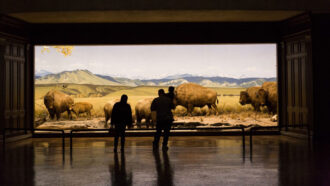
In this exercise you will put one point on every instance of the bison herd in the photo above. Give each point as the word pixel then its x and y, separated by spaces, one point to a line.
pixel 188 95
pixel 266 95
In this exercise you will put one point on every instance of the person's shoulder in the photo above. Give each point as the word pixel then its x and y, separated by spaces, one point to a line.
pixel 156 99
pixel 118 104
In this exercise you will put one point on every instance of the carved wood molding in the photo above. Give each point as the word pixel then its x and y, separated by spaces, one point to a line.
pixel 296 25
pixel 13 28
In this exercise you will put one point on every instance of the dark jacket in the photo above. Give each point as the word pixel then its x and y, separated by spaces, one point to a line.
pixel 121 115
pixel 163 105
pixel 170 95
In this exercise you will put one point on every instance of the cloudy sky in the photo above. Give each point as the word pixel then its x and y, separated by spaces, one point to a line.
pixel 158 61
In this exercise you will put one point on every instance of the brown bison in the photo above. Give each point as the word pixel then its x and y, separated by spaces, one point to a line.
pixel 57 102
pixel 82 107
pixel 108 110
pixel 262 96
pixel 271 89
pixel 142 110
pixel 268 84
pixel 192 95
pixel 250 97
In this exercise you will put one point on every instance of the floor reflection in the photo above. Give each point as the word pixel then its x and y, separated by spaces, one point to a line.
pixel 208 160
pixel 17 165
pixel 118 173
pixel 164 171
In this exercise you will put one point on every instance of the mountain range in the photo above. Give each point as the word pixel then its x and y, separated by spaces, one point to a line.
pixel 87 77
pixel 41 73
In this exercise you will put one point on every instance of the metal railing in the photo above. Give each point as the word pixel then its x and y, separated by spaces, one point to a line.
pixel 242 128
pixel 32 130
pixel 218 130
pixel 252 130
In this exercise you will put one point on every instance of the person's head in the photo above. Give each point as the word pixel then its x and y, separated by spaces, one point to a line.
pixel 171 89
pixel 161 92
pixel 123 98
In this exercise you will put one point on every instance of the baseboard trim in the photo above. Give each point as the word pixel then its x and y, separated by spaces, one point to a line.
pixel 294 135
pixel 16 138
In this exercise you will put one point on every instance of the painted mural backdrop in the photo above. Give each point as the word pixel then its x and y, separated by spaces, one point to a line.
pixel 76 86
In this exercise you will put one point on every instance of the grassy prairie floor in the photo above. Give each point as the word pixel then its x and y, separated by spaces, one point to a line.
pixel 228 107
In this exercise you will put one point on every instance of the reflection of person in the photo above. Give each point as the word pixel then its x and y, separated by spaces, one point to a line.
pixel 118 172
pixel 170 93
pixel 164 117
pixel 164 171
pixel 121 117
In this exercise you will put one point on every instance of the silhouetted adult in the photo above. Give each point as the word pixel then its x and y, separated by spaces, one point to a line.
pixel 170 93
pixel 164 118
pixel 119 176
pixel 121 117
pixel 164 170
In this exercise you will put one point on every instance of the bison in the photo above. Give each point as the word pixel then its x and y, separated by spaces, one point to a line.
pixel 190 95
pixel 82 107
pixel 57 102
pixel 262 96
pixel 142 110
pixel 250 97
pixel 268 84
pixel 108 110
pixel 271 89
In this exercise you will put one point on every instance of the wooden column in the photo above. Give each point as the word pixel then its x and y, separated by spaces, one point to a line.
pixel 296 77
pixel 14 81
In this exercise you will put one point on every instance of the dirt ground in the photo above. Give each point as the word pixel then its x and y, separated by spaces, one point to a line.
pixel 184 121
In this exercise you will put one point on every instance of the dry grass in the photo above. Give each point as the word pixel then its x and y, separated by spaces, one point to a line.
pixel 228 105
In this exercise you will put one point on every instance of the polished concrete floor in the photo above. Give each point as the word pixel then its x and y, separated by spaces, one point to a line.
pixel 276 160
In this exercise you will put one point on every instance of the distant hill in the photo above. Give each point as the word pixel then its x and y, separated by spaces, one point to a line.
pixel 209 81
pixel 86 77
pixel 78 90
pixel 178 76
pixel 75 77
pixel 41 73
pixel 129 82
pixel 107 77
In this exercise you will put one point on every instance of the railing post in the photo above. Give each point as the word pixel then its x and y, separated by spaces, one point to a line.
pixel 63 140
pixel 251 134
pixel 243 137
pixel 71 140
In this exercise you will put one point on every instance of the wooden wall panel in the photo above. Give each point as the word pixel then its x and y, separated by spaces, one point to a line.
pixel 14 92
pixel 296 97
pixel 296 74
pixel 14 83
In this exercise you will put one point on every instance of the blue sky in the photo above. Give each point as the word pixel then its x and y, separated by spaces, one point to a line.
pixel 158 61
